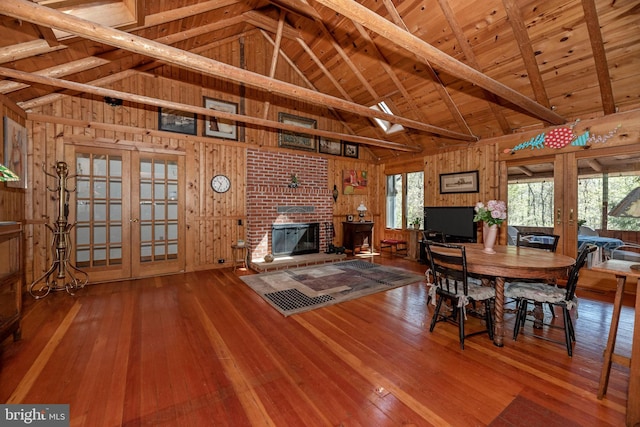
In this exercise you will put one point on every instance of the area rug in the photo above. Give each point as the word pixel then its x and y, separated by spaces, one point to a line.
pixel 308 288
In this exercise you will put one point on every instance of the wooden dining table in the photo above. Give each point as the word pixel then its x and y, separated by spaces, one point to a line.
pixel 513 263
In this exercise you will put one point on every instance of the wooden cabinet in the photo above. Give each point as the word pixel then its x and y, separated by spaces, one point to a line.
pixel 355 233
pixel 11 279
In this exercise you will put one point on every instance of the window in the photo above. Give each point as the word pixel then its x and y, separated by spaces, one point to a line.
pixel 530 203
pixel 394 201
pixel 405 199
pixel 600 194
pixel 386 125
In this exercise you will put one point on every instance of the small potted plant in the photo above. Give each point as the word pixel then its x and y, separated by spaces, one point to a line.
pixel 416 222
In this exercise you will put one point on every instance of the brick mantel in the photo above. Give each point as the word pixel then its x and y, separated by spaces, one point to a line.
pixel 268 178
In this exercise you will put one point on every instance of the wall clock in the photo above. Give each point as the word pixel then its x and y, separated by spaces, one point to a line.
pixel 220 184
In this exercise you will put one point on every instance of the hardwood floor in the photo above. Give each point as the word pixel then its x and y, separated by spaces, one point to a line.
pixel 202 349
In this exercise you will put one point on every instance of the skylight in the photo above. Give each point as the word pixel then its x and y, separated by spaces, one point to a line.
pixel 386 125
pixel 110 13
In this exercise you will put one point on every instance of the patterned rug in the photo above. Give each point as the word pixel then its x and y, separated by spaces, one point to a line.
pixel 307 288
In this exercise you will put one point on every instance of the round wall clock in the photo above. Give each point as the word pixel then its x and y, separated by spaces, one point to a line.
pixel 220 184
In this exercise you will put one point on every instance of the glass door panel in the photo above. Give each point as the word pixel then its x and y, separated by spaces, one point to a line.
pixel 100 248
pixel 158 217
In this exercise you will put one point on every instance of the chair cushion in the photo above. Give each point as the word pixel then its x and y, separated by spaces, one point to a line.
pixel 539 292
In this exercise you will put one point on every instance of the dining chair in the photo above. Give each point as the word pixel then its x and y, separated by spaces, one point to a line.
pixel 545 293
pixel 538 240
pixel 451 282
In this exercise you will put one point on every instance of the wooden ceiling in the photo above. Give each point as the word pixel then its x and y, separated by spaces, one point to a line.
pixel 452 71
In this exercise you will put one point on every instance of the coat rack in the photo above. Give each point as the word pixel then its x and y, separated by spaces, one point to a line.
pixel 62 275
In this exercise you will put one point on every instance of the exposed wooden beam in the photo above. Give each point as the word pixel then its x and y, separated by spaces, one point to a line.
pixel 48 35
pixel 30 12
pixel 185 12
pixel 599 56
pixel 595 165
pixel 274 58
pixel 442 91
pixel 65 69
pixel 413 44
pixel 463 41
pixel 26 50
pixel 84 88
pixel 524 170
pixel 526 51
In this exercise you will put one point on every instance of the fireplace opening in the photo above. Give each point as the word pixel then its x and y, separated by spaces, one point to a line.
pixel 295 239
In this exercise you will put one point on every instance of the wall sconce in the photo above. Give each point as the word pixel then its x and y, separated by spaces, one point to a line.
pixel 361 210
pixel 335 193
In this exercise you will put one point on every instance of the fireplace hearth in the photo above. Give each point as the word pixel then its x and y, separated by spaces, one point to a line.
pixel 295 239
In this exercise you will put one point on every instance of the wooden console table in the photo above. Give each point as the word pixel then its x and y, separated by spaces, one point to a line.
pixel 354 234
pixel 623 272
pixel 11 279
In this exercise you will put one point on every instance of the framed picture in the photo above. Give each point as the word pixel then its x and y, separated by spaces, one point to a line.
pixel 15 151
pixel 299 141
pixel 330 146
pixel 351 150
pixel 459 182
pixel 216 126
pixel 354 182
pixel 176 121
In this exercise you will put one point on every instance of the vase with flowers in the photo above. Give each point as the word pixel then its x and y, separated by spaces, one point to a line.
pixel 492 215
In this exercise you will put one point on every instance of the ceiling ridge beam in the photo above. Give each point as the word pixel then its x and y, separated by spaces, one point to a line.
pixel 31 12
pixel 207 112
pixel 413 44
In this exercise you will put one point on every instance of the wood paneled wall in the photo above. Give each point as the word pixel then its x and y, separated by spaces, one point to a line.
pixel 211 218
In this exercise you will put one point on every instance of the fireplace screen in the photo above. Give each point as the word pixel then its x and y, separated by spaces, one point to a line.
pixel 295 239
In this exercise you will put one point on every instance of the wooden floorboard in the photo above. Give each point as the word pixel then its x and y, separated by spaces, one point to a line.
pixel 202 349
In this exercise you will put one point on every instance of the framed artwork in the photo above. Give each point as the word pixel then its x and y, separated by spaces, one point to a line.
pixel 354 182
pixel 176 121
pixel 330 146
pixel 459 182
pixel 216 126
pixel 299 141
pixel 351 150
pixel 15 151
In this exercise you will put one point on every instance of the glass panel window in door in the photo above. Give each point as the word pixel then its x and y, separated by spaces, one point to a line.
pixel 98 209
pixel 158 210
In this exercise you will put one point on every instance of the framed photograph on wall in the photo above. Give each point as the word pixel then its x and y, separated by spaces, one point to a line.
pixel 330 146
pixel 350 150
pixel 218 127
pixel 15 151
pixel 459 182
pixel 299 141
pixel 176 121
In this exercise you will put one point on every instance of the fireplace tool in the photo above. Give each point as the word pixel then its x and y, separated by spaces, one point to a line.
pixel 330 233
pixel 62 275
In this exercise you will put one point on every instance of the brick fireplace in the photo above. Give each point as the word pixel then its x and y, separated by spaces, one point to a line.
pixel 271 201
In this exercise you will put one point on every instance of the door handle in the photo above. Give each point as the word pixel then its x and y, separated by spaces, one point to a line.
pixel 134 220
pixel 559 216
pixel 570 216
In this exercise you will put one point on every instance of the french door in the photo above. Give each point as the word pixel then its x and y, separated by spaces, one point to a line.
pixel 563 173
pixel 129 216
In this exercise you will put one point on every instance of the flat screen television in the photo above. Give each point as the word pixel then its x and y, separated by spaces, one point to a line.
pixel 455 222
